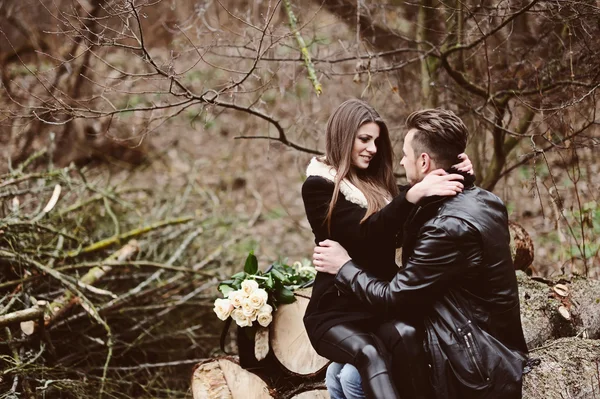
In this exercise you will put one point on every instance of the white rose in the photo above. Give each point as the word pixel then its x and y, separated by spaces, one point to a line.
pixel 249 286
pixel 238 316
pixel 264 319
pixel 247 308
pixel 265 315
pixel 236 298
pixel 223 308
pixel 258 298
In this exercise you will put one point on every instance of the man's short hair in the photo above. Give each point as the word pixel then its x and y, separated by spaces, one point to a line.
pixel 440 133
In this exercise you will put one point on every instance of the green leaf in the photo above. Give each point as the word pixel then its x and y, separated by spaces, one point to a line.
pixel 251 266
pixel 270 283
pixel 277 274
pixel 225 289
pixel 285 296
pixel 240 275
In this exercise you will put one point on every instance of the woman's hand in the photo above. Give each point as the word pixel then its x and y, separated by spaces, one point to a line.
pixel 437 182
pixel 465 166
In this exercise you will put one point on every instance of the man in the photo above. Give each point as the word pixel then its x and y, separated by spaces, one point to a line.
pixel 457 330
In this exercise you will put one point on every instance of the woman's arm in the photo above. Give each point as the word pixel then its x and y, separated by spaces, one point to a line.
pixel 345 221
pixel 346 226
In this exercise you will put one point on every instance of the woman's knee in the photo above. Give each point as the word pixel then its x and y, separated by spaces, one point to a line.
pixel 370 355
pixel 400 335
pixel 408 332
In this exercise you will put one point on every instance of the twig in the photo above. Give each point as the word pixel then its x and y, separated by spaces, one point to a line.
pixel 312 76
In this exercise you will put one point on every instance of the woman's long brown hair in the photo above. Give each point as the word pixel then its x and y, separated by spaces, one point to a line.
pixel 377 182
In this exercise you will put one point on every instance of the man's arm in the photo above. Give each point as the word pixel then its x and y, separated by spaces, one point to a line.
pixel 445 252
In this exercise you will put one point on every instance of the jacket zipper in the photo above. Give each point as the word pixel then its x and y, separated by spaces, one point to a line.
pixel 472 354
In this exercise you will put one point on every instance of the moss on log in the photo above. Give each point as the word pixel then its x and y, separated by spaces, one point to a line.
pixel 569 368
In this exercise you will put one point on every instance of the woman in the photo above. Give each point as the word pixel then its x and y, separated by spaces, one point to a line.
pixel 350 196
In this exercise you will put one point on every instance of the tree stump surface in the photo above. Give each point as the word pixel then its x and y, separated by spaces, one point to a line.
pixel 223 378
pixel 289 341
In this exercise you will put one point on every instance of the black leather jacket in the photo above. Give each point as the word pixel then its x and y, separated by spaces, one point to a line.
pixel 458 275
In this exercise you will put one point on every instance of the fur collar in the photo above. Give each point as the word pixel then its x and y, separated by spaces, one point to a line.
pixel 316 167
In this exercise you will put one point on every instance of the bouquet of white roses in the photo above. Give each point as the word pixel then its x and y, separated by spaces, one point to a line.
pixel 252 295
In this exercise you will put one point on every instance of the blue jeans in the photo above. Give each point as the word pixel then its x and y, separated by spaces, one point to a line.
pixel 343 382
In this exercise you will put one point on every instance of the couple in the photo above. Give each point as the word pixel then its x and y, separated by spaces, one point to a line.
pixel 447 323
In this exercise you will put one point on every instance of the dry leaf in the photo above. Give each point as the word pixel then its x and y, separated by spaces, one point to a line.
pixel 53 199
pixel 28 327
pixel 261 343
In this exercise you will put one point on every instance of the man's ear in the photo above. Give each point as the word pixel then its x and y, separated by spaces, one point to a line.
pixel 425 163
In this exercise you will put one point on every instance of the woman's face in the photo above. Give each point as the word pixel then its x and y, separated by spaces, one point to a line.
pixel 365 148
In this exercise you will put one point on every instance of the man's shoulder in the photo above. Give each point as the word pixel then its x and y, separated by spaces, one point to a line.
pixel 453 226
pixel 472 202
pixel 475 209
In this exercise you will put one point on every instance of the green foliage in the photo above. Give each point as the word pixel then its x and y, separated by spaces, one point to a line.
pixel 251 266
pixel 279 281
pixel 581 235
pixel 586 227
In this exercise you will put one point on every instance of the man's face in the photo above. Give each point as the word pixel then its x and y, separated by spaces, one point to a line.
pixel 409 161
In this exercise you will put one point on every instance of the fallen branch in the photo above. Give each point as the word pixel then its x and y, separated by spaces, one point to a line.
pixel 128 235
pixel 65 301
pixel 33 313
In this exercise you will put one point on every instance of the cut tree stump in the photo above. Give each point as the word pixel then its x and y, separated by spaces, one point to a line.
pixel 289 341
pixel 223 378
pixel 569 368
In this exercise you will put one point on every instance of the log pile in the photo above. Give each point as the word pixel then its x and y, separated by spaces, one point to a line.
pixel 561 322
pixel 291 368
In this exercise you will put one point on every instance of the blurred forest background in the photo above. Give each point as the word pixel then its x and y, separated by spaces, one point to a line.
pixel 148 145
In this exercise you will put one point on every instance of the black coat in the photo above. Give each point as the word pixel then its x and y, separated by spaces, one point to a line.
pixel 371 243
pixel 458 274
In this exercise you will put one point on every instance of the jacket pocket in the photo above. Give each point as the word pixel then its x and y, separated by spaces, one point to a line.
pixel 474 353
pixel 467 361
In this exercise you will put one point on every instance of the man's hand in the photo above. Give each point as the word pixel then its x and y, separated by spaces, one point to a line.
pixel 329 257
